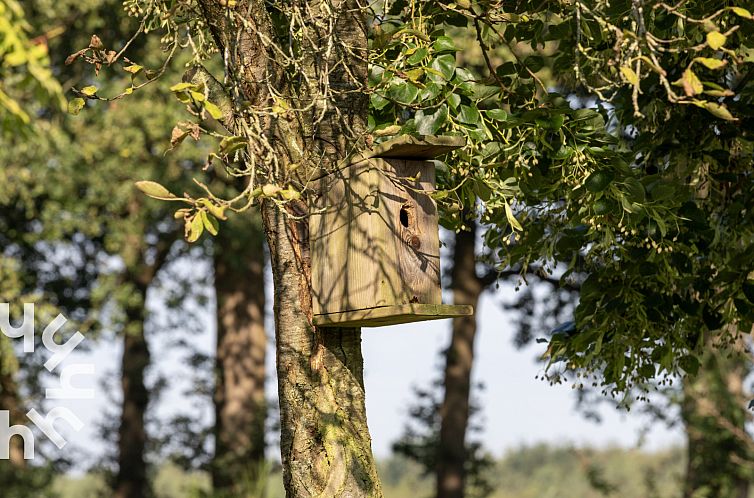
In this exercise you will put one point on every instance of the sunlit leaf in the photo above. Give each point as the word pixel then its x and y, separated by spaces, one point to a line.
pixel 630 75
pixel 154 189
pixel 716 40
pixel 711 63
pixel 75 105
pixel 209 222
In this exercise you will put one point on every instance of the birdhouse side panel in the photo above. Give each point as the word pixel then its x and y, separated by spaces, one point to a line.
pixel 410 233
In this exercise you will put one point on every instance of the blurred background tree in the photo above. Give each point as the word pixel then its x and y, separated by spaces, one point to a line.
pixel 77 232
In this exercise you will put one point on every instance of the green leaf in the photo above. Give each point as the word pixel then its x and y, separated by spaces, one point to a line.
pixel 378 102
pixel 454 100
pixel 716 40
pixel 634 190
pixel 602 206
pixel 534 63
pixel 75 105
pixel 719 111
pixel 444 44
pixel 553 122
pixel 290 194
pixel 748 289
pixel 431 90
pixel 418 56
pixel 194 228
pixel 690 364
pixel 497 114
pixel 469 115
pixel 483 191
pixel 712 318
pixel 429 124
pixel 179 87
pixel 506 69
pixel 445 65
pixel 691 83
pixel 209 222
pixel 376 74
pixel 415 74
pixel 215 210
pixel 512 219
pixel 599 180
pixel 403 92
pixel 89 90
pixel 154 190
pixel 481 92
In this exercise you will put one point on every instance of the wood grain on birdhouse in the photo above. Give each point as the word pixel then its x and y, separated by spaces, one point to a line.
pixel 374 238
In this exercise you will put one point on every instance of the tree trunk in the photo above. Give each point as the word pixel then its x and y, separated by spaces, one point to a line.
pixel 10 400
pixel 325 442
pixel 240 404
pixel 454 412
pixel 131 480
pixel 714 412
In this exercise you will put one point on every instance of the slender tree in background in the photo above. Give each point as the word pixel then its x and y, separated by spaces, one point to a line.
pixel 19 56
pixel 137 232
pixel 240 403
pixel 467 285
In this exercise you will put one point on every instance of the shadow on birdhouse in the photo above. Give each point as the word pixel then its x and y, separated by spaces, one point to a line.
pixel 374 238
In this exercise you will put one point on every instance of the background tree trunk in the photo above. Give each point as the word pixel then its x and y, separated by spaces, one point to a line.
pixel 10 399
pixel 131 479
pixel 240 404
pixel 714 412
pixel 454 412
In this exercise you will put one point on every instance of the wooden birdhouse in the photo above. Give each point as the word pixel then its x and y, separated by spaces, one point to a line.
pixel 374 238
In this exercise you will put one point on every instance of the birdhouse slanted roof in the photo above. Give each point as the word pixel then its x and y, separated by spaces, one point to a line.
pixel 419 148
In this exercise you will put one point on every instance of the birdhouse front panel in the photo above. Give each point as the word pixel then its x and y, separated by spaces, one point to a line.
pixel 374 235
pixel 374 239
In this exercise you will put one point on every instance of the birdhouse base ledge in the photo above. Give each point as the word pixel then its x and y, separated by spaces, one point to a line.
pixel 392 315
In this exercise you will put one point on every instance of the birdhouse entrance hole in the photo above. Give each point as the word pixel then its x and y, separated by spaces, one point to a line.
pixel 405 215
pixel 374 238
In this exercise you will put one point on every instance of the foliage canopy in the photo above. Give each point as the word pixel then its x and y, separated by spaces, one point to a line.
pixel 609 140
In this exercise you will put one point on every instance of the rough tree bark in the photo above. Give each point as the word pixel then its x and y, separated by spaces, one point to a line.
pixel 714 412
pixel 240 404
pixel 325 442
pixel 454 412
pixel 131 479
